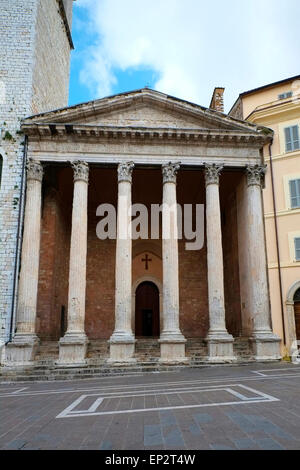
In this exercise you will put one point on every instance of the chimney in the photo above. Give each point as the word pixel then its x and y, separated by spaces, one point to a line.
pixel 217 100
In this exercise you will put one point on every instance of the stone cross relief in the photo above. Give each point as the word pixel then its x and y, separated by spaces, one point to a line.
pixel 146 260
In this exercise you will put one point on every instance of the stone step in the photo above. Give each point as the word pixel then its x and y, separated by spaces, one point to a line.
pixel 147 354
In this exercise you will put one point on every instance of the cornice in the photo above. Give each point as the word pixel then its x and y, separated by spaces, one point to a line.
pixel 62 12
pixel 291 107
pixel 56 131
pixel 144 96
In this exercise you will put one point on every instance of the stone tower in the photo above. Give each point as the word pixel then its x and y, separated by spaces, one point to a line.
pixel 35 46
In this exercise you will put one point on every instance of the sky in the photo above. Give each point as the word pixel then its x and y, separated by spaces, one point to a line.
pixel 184 48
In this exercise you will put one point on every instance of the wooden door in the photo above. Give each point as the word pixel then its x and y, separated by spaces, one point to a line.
pixel 147 310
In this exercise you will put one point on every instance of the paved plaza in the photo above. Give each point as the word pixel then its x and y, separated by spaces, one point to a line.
pixel 254 406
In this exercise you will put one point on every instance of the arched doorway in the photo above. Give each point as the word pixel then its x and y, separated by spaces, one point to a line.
pixel 147 309
pixel 297 313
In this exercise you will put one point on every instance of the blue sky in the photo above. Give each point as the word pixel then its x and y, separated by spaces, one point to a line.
pixel 182 47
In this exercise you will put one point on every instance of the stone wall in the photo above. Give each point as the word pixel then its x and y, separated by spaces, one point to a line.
pixel 17 30
pixel 34 54
pixel 51 59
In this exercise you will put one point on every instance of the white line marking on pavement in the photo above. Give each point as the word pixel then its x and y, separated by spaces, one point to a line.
pixel 178 383
pixel 261 371
pixel 20 390
pixel 259 398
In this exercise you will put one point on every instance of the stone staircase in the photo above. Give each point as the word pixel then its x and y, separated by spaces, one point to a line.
pixel 147 360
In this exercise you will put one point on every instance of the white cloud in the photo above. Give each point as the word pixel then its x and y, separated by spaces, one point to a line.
pixel 193 45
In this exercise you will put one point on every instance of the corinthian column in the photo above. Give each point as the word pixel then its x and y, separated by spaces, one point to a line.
pixel 265 342
pixel 23 347
pixel 220 343
pixel 122 341
pixel 72 347
pixel 172 342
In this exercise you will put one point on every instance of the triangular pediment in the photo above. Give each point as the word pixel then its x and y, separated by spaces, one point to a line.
pixel 143 108
pixel 146 115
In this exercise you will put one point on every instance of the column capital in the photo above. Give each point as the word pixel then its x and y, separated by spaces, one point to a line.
pixel 212 173
pixel 125 171
pixel 255 174
pixel 169 171
pixel 34 170
pixel 81 170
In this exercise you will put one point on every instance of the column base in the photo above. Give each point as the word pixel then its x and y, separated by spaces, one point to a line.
pixel 122 348
pixel 72 350
pixel 265 346
pixel 172 348
pixel 220 347
pixel 21 351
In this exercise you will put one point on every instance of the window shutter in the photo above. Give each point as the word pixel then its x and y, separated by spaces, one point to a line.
pixel 288 139
pixel 292 141
pixel 295 137
pixel 295 193
pixel 297 248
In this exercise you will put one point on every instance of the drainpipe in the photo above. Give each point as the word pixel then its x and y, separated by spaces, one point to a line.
pixel 277 245
pixel 18 240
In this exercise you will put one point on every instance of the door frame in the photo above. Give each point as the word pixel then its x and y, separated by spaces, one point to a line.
pixel 135 285
pixel 291 316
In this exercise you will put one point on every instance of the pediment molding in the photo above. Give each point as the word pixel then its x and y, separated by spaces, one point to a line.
pixel 196 116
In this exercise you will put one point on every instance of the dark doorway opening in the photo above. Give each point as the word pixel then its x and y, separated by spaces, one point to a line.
pixel 147 310
pixel 63 321
pixel 297 312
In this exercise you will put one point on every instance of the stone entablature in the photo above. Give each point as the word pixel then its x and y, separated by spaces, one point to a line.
pixel 37 131
pixel 191 135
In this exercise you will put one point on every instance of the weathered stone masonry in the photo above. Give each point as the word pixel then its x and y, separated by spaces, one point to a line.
pixel 34 75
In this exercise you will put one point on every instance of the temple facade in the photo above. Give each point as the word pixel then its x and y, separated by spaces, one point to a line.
pixel 85 276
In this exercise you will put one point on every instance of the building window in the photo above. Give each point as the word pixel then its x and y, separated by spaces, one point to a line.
pixel 283 96
pixel 291 138
pixel 297 248
pixel 295 193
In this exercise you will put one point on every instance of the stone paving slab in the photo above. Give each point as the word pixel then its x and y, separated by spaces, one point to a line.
pixel 188 409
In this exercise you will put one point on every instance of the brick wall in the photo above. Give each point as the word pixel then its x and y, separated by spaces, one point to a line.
pixel 100 284
pixel 54 264
pixel 231 267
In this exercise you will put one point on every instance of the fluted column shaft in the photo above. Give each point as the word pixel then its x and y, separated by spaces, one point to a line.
pixel 123 254
pixel 215 267
pixel 170 253
pixel 220 343
pixel 28 284
pixel 258 282
pixel 172 341
pixel 78 250
pixel 266 345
